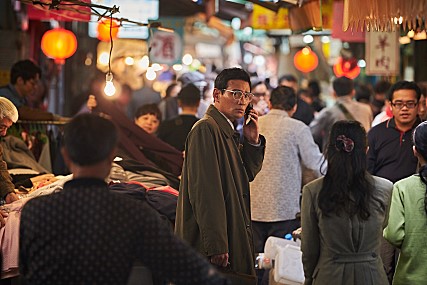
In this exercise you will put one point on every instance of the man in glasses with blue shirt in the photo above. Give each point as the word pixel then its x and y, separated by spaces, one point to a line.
pixel 390 153
pixel 213 212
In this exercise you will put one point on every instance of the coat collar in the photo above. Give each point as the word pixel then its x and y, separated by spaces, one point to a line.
pixel 221 120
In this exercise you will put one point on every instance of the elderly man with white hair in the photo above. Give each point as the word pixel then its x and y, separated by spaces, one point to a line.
pixel 8 116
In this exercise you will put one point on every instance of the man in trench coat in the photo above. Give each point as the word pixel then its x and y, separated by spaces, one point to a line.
pixel 213 212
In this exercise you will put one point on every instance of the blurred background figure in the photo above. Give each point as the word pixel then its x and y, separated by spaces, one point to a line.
pixel 422 108
pixel 145 95
pixel 304 111
pixel 314 89
pixel 24 78
pixel 148 118
pixel 345 108
pixel 38 98
pixel 124 98
pixel 363 94
pixel 380 96
pixel 261 97
pixel 305 95
pixel 199 80
pixel 169 104
pixel 175 131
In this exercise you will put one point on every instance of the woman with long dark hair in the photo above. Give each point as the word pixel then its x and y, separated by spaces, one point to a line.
pixel 407 223
pixel 343 214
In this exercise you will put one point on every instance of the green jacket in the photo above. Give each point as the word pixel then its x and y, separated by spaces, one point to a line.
pixel 213 212
pixel 407 230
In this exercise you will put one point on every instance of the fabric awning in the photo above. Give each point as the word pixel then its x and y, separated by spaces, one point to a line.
pixel 381 15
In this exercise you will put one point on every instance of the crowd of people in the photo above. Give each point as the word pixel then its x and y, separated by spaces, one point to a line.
pixel 251 162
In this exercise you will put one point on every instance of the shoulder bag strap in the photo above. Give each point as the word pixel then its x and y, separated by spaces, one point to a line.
pixel 345 111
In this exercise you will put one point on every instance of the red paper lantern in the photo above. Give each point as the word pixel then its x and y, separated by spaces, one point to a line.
pixel 306 60
pixel 347 68
pixel 59 44
pixel 104 26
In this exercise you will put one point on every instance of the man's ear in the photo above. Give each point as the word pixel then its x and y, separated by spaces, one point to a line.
pixel 216 93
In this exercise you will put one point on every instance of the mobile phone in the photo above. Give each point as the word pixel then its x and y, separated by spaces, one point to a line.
pixel 248 114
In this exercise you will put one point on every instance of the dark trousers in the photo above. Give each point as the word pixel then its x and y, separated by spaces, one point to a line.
pixel 263 230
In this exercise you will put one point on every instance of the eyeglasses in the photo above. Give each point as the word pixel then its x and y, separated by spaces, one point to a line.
pixel 238 94
pixel 400 104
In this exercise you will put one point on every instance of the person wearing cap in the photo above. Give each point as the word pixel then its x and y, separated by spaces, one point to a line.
pixel 175 131
pixel 8 116
pixel 199 80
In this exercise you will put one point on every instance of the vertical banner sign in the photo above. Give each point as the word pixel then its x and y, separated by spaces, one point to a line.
pixel 382 53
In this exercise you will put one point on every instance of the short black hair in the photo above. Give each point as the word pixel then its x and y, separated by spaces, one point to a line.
pixel 288 77
pixel 258 82
pixel 26 69
pixel 363 93
pixel 404 85
pixel 152 109
pixel 90 139
pixel 382 87
pixel 343 86
pixel 189 95
pixel 283 97
pixel 235 73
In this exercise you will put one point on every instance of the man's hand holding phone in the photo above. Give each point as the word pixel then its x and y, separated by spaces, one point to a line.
pixel 248 116
pixel 250 128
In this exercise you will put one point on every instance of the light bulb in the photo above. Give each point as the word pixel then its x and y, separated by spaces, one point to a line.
pixel 187 59
pixel 109 88
pixel 150 74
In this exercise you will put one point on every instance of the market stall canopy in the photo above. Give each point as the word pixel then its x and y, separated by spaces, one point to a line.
pixel 380 15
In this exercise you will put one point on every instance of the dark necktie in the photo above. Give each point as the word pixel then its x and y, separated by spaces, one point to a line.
pixel 236 138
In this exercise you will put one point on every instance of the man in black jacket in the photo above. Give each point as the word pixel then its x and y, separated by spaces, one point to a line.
pixel 86 234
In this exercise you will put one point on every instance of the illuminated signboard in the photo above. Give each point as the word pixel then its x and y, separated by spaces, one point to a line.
pixel 134 10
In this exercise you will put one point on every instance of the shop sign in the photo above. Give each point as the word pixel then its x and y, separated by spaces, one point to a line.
pixel 265 19
pixel 165 47
pixel 382 53
pixel 43 13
